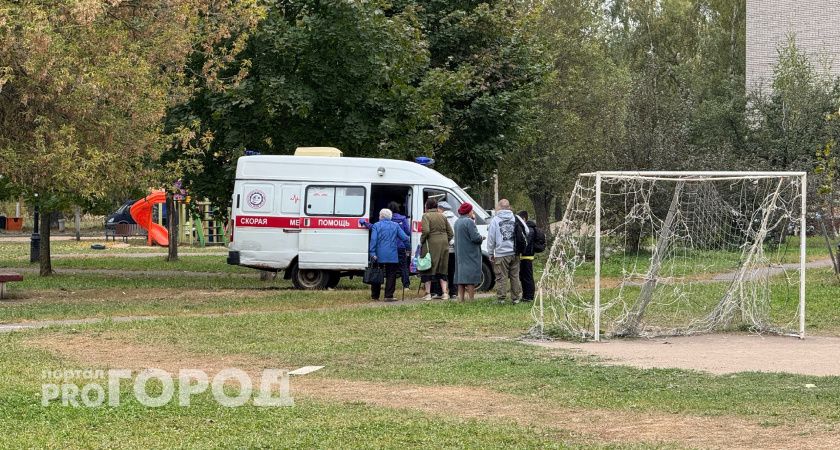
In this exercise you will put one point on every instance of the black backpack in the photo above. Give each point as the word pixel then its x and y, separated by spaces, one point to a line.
pixel 520 237
pixel 539 240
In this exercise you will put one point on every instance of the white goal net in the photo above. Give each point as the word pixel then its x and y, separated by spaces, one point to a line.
pixel 673 253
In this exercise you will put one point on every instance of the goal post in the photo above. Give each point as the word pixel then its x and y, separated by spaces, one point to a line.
pixel 669 253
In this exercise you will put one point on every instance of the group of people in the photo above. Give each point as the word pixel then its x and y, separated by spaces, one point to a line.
pixel 512 242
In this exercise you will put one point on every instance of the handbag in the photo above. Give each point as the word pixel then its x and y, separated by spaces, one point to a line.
pixel 424 262
pixel 373 274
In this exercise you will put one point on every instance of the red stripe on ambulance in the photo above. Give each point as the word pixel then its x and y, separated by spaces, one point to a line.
pixel 332 223
pixel 267 222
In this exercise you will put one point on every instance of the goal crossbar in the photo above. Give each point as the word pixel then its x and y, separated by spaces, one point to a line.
pixel 657 173
pixel 688 176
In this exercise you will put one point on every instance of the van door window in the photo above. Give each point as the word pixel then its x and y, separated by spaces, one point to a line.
pixel 320 201
pixel 455 202
pixel 350 201
pixel 335 201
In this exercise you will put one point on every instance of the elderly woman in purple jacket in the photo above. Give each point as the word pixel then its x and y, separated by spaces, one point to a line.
pixel 386 239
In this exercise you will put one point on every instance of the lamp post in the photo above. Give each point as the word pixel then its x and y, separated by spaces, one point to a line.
pixel 35 239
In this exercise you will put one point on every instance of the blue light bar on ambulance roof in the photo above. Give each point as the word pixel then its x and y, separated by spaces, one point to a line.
pixel 424 161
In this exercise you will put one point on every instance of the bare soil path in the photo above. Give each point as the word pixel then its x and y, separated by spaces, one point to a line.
pixel 39 324
pixel 717 353
pixel 771 271
pixel 149 273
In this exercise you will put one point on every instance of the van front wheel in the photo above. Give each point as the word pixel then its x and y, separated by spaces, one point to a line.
pixel 310 279
pixel 488 276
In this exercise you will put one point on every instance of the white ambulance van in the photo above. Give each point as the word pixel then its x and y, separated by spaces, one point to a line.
pixel 300 214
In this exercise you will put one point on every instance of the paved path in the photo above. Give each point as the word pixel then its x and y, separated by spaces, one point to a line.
pixel 106 254
pixel 776 269
pixel 53 237
pixel 39 324
pixel 148 273
pixel 759 273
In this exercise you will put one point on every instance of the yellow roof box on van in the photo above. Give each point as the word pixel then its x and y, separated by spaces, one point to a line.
pixel 318 151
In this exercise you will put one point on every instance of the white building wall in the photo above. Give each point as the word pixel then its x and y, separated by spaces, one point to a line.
pixel 815 23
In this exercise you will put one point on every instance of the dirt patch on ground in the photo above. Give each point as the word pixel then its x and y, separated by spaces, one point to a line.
pixel 129 295
pixel 717 353
pixel 599 426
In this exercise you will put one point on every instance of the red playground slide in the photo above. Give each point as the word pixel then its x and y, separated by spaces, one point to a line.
pixel 141 212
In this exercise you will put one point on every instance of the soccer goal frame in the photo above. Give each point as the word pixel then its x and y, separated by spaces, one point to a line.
pixel 676 176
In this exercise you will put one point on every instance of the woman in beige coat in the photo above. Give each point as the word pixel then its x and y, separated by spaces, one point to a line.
pixel 435 239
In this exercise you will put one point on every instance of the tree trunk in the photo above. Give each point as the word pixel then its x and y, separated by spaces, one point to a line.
pixel 542 206
pixel 44 230
pixel 77 222
pixel 172 226
pixel 559 206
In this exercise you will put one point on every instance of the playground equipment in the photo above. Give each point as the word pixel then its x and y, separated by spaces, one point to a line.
pixel 197 222
pixel 141 212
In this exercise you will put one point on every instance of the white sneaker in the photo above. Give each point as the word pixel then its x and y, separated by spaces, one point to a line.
pixel 427 297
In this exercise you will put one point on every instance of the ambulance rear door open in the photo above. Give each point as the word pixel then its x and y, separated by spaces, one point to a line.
pixel 331 237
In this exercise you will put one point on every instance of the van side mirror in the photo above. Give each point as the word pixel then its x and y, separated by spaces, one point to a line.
pixel 491 212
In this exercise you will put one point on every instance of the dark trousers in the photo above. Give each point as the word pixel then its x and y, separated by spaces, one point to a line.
pixel 391 270
pixel 526 277
pixel 404 263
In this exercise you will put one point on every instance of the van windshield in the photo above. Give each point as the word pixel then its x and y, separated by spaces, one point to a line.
pixel 479 211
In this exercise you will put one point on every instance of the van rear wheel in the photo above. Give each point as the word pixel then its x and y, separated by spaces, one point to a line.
pixel 310 279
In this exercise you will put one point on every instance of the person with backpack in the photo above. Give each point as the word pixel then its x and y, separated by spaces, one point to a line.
pixel 404 251
pixel 536 244
pixel 507 238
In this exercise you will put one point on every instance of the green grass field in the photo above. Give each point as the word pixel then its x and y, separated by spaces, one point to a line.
pixel 419 375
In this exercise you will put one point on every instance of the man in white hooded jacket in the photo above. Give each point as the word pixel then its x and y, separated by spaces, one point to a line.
pixel 501 244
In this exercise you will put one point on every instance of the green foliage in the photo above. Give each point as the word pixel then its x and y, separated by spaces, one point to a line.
pixel 371 78
pixel 790 121
pixel 577 106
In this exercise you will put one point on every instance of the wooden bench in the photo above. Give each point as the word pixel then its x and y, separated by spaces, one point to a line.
pixel 126 230
pixel 7 278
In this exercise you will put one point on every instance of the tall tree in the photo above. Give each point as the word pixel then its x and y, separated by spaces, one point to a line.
pixel 577 108
pixel 686 64
pixel 85 84
pixel 789 125
pixel 443 79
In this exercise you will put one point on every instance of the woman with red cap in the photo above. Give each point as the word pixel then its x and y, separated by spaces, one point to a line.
pixel 467 252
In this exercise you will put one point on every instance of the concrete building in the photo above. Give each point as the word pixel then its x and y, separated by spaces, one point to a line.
pixel 815 23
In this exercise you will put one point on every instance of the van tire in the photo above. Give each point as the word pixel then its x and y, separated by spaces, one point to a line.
pixel 310 279
pixel 488 276
pixel 334 279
